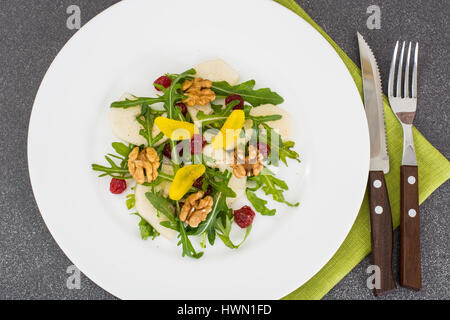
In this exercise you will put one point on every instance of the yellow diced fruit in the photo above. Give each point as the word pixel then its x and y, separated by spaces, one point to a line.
pixel 230 130
pixel 174 129
pixel 184 179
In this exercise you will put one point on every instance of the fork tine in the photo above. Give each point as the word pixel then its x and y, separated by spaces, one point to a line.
pixel 406 83
pixel 414 74
pixel 392 71
pixel 399 72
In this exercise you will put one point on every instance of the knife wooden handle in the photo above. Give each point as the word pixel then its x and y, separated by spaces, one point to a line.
pixel 410 270
pixel 381 231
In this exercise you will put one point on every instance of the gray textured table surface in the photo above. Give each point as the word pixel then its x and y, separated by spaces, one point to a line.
pixel 31 33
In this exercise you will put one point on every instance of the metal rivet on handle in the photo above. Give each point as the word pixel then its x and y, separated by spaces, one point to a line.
pixel 412 213
pixel 411 180
pixel 377 184
pixel 378 210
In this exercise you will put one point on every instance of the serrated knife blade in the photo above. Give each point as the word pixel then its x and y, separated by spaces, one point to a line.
pixel 380 208
pixel 373 102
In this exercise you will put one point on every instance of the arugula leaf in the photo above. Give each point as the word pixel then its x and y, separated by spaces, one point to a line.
pixel 219 181
pixel 162 205
pixel 212 236
pixel 223 228
pixel 218 205
pixel 118 171
pixel 147 230
pixel 229 107
pixel 281 150
pixel 274 187
pixel 204 119
pixel 128 103
pixel 171 95
pixel 131 201
pixel 259 204
pixel 287 152
pixel 260 119
pixel 247 92
pixel 216 107
pixel 188 248
pixel 145 119
pixel 122 149
pixel 170 225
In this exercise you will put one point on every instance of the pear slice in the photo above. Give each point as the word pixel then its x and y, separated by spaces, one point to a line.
pixel 217 70
pixel 238 185
pixel 164 187
pixel 206 109
pixel 125 126
pixel 282 126
pixel 149 213
pixel 217 158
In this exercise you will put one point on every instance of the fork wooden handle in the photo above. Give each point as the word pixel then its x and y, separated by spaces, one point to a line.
pixel 381 231
pixel 410 269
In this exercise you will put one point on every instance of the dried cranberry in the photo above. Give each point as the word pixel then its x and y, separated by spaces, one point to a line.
pixel 208 190
pixel 162 81
pixel 263 148
pixel 244 216
pixel 199 185
pixel 233 97
pixel 182 107
pixel 166 151
pixel 197 144
pixel 117 186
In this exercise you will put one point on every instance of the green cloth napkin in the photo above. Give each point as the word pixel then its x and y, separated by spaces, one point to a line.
pixel 434 170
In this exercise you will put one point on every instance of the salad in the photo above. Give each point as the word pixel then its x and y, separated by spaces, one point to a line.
pixel 187 154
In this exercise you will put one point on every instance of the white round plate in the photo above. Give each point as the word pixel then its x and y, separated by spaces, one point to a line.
pixel 124 49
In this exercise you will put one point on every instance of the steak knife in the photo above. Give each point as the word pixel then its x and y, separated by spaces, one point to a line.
pixel 380 209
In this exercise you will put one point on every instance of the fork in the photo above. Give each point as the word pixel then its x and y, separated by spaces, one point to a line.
pixel 404 106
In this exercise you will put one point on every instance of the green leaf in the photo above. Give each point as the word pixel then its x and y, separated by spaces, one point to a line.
pixel 162 205
pixel 286 151
pixel 229 107
pixel 111 171
pixel 281 150
pixel 118 171
pixel 170 225
pixel 147 119
pixel 223 228
pixel 131 201
pixel 122 149
pixel 247 92
pixel 188 248
pixel 171 95
pixel 219 181
pixel 223 188
pixel 128 103
pixel 212 236
pixel 216 107
pixel 259 204
pixel 147 230
pixel 205 226
pixel 204 119
pixel 260 119
pixel 274 187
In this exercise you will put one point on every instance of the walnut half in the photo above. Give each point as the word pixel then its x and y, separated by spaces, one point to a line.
pixel 143 164
pixel 195 209
pixel 250 165
pixel 198 92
